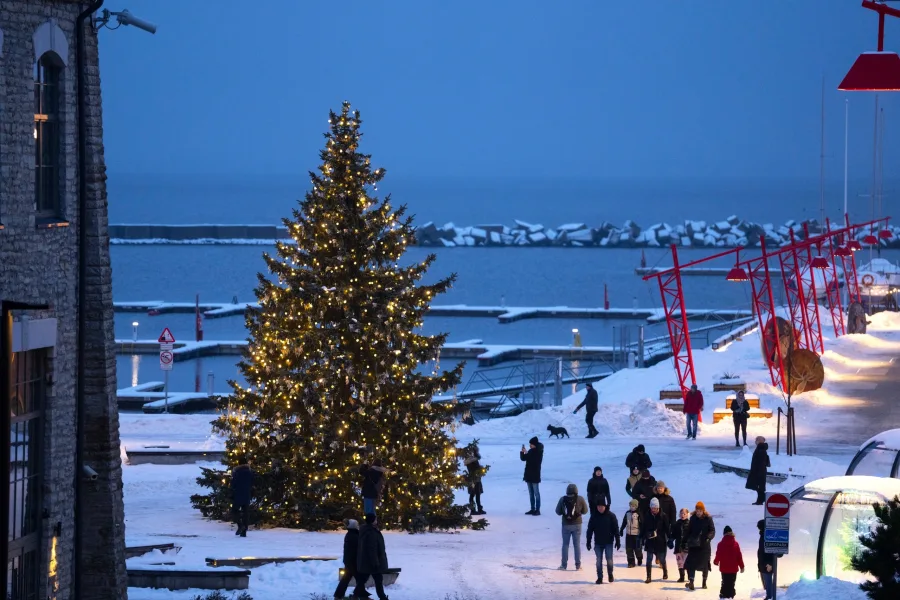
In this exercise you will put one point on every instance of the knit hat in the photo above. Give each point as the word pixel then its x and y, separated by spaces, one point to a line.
pixel 654 503
pixel 645 474
pixel 352 524
pixel 660 484
pixel 633 504
pixel 761 524
pixel 640 448
pixel 534 441
pixel 727 529
pixel 700 506
pixel 370 518
pixel 571 490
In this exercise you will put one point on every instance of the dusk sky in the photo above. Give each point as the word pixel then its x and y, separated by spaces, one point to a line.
pixel 493 88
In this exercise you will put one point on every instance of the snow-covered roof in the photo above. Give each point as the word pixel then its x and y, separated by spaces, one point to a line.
pixel 885 486
pixel 886 439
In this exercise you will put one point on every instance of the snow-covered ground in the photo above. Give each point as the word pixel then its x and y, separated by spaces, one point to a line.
pixel 517 556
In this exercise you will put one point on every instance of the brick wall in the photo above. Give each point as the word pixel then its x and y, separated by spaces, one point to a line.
pixel 39 264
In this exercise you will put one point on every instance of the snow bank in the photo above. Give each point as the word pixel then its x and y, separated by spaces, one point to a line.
pixel 816 589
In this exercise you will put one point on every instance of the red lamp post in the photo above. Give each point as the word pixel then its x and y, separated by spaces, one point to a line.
pixel 875 71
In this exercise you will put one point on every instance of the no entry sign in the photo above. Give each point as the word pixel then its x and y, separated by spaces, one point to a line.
pixel 778 506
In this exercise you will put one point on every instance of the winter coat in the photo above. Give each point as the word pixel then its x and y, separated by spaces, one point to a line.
pixel 533 459
pixel 680 535
pixel 728 555
pixel 372 557
pixel 740 410
pixel 602 530
pixel 598 491
pixel 589 402
pixel 644 487
pixel 631 523
pixel 629 485
pixel 636 459
pixel 763 558
pixel 351 549
pixel 759 465
pixel 701 531
pixel 571 506
pixel 241 484
pixel 667 505
pixel 693 402
pixel 659 524
pixel 474 469
pixel 373 481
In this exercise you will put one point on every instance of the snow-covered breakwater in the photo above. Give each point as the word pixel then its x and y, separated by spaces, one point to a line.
pixel 728 233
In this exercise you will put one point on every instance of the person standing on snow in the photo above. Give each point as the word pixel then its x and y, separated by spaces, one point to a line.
pixel 656 528
pixel 693 406
pixel 371 560
pixel 473 468
pixel 638 458
pixel 570 507
pixel 680 541
pixel 643 492
pixel 373 485
pixel 740 413
pixel 241 493
pixel 701 531
pixel 666 501
pixel 729 559
pixel 351 554
pixel 590 405
pixel 632 481
pixel 759 468
pixel 631 529
pixel 602 531
pixel 765 562
pixel 533 459
pixel 598 490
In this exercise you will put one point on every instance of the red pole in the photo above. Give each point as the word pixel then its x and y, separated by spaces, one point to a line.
pixel 834 291
pixel 801 295
pixel 684 317
pixel 765 261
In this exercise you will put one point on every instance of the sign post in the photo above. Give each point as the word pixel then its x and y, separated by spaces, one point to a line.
pixel 777 535
pixel 166 360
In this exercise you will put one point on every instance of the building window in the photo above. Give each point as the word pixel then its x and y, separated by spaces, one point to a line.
pixel 26 449
pixel 47 77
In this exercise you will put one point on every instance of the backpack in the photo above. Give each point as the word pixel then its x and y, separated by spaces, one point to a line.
pixel 569 510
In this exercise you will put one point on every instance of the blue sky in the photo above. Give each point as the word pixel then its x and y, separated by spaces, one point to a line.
pixel 509 88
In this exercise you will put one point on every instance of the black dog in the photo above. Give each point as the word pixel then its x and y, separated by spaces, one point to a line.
pixel 557 431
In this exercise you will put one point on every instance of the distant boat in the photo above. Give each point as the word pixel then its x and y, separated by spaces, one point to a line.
pixel 882 274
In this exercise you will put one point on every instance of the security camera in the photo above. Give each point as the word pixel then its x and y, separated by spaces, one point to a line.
pixel 126 18
pixel 89 473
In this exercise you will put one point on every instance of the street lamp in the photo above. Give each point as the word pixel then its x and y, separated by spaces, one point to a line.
pixel 819 262
pixel 134 326
pixel 875 71
pixel 576 338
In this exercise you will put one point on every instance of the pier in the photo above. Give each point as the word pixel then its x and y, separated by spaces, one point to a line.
pixel 696 271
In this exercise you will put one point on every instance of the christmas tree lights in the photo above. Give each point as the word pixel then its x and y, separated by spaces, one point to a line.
pixel 332 367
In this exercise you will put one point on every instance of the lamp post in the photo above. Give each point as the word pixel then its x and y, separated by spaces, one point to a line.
pixel 134 326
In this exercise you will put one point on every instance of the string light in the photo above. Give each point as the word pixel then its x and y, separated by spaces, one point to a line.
pixel 332 367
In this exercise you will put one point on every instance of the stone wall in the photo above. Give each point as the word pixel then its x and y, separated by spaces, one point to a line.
pixel 39 264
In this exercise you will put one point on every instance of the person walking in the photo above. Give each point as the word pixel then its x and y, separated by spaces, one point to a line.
pixel 666 501
pixel 241 493
pixel 655 532
pixel 571 507
pixel 638 458
pixel 604 534
pixel 351 555
pixel 701 531
pixel 473 467
pixel 632 481
pixel 533 458
pixel 740 413
pixel 680 541
pixel 759 469
pixel 371 560
pixel 765 562
pixel 693 406
pixel 643 492
pixel 598 490
pixel 729 559
pixel 631 529
pixel 374 482
pixel 590 405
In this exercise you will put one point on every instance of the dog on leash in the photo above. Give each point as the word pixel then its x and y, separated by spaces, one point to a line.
pixel 557 431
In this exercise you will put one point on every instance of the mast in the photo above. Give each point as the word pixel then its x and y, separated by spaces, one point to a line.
pixel 874 169
pixel 846 132
pixel 822 159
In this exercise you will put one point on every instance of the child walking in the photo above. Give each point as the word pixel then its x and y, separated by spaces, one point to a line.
pixel 729 559
pixel 631 529
pixel 680 539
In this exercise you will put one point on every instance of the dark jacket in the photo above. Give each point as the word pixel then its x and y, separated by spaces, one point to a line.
pixel 372 557
pixel 602 529
pixel 351 549
pixel 700 531
pixel 598 491
pixel 589 402
pixel 763 558
pixel 740 411
pixel 630 483
pixel 372 481
pixel 644 488
pixel 473 467
pixel 759 466
pixel 533 458
pixel 667 506
pixel 241 484
pixel 571 505
pixel 680 535
pixel 658 524
pixel 635 459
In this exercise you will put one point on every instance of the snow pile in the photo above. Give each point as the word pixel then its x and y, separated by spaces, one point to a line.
pixel 816 589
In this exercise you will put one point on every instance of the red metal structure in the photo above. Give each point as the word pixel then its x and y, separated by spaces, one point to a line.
pixel 794 292
pixel 875 71
pixel 849 264
pixel 677 321
pixel 764 307
pixel 833 288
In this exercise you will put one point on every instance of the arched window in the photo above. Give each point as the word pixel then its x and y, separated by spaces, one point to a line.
pixel 47 91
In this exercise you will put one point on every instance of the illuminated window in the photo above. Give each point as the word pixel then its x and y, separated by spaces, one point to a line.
pixel 47 77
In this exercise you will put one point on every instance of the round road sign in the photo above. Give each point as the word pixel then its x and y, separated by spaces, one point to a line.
pixel 166 357
pixel 777 505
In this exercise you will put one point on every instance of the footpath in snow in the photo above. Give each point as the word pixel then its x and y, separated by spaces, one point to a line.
pixel 517 556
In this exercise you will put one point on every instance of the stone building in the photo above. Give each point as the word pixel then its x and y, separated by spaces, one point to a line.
pixel 65 525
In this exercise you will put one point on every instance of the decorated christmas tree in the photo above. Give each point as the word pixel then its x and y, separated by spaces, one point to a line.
pixel 879 555
pixel 336 368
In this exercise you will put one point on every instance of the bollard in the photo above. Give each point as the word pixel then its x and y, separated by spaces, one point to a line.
pixel 210 383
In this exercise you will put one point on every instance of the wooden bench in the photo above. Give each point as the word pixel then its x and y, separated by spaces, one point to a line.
pixel 752 400
pixel 670 395
pixel 387 578
pixel 134 551
pixel 173 579
pixel 720 414
pixel 729 386
pixel 256 561
pixel 676 406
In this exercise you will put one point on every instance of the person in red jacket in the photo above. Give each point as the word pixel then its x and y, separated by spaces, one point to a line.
pixel 693 405
pixel 729 559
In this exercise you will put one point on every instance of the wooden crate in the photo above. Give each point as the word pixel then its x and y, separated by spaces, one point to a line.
pixel 752 400
pixel 670 394
pixel 729 387
pixel 676 406
pixel 721 414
